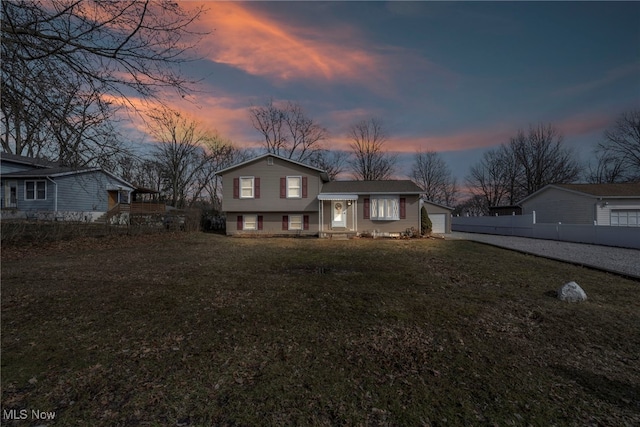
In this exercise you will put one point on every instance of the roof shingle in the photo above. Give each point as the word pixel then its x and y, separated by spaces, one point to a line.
pixel 605 190
pixel 372 187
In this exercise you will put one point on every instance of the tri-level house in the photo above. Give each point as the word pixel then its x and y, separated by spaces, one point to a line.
pixel 272 195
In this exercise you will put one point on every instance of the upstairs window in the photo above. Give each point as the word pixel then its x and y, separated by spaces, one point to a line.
pixel 35 190
pixel 246 187
pixel 294 187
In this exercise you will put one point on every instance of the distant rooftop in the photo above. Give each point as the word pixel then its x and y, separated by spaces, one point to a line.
pixel 606 190
pixel 31 161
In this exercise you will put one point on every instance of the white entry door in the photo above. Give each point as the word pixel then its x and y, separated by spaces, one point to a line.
pixel 338 213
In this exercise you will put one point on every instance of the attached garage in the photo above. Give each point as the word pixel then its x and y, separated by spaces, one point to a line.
pixel 440 217
pixel 439 223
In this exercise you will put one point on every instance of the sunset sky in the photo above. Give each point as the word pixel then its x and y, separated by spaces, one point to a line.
pixel 454 77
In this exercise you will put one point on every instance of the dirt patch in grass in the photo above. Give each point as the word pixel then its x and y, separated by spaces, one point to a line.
pixel 197 329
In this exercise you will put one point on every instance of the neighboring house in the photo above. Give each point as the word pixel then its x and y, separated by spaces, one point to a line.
pixel 34 188
pixel 274 195
pixel 599 204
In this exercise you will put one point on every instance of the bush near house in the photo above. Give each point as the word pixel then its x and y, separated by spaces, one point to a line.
pixel 425 221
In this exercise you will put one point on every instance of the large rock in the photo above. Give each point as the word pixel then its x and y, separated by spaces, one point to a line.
pixel 571 292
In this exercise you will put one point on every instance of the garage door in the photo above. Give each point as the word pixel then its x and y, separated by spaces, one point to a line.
pixel 438 223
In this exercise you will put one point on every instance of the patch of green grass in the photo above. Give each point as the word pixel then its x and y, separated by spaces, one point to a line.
pixel 197 329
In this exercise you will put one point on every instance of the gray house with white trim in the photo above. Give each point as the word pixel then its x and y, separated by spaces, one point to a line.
pixel 592 204
pixel 273 195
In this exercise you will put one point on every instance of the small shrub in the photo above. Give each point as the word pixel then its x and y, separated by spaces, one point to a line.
pixel 425 221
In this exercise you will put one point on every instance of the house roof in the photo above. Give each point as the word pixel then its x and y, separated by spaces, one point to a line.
pixel 62 171
pixel 30 161
pixel 605 190
pixel 51 171
pixel 429 202
pixel 371 187
pixel 255 159
pixel 612 191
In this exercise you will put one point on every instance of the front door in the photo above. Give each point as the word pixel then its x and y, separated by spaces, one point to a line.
pixel 11 194
pixel 113 199
pixel 338 213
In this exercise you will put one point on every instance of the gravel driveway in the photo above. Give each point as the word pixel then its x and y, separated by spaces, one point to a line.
pixel 616 260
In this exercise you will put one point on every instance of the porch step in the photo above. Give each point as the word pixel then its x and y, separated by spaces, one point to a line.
pixel 339 237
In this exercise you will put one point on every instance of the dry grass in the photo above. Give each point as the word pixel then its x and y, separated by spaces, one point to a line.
pixel 196 329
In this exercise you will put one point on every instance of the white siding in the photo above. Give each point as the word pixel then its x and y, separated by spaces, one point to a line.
pixel 603 211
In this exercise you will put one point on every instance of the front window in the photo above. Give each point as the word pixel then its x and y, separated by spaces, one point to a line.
pixel 246 187
pixel 295 222
pixel 35 190
pixel 294 186
pixel 625 218
pixel 250 222
pixel 385 208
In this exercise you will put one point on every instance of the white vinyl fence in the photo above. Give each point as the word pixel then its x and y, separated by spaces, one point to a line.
pixel 526 226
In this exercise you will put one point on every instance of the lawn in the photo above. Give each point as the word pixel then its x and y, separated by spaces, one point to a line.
pixel 195 329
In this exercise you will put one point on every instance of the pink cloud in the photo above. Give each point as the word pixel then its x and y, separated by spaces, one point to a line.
pixel 610 77
pixel 584 124
pixel 262 45
pixel 455 141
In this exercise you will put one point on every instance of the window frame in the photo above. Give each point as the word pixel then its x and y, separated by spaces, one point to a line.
pixel 292 222
pixel 245 222
pixel 390 208
pixel 289 187
pixel 252 187
pixel 615 216
pixel 35 190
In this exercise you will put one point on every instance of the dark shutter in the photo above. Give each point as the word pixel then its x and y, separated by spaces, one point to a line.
pixel 304 187
pixel 366 208
pixel 283 188
pixel 259 222
pixel 305 222
pixel 239 222
pixel 285 222
pixel 236 188
pixel 256 187
pixel 403 208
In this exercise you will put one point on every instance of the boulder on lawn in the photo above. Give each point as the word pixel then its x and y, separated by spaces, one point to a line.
pixel 571 292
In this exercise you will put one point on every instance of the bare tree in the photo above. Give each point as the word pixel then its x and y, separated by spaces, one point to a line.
pixel 139 170
pixel 543 158
pixel 527 163
pixel 618 155
pixel 61 59
pixel 184 150
pixel 221 154
pixel 489 177
pixel 369 161
pixel 333 162
pixel 432 174
pixel 288 132
pixel 475 205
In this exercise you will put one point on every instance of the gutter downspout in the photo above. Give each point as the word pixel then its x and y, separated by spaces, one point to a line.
pixel 55 200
